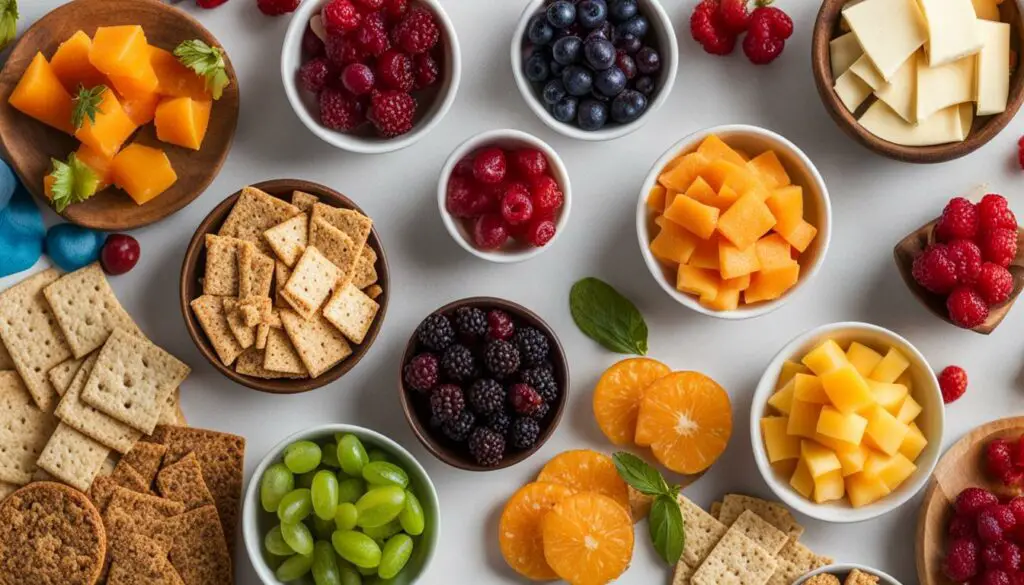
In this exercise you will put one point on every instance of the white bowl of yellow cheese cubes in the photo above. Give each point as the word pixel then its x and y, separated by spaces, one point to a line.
pixel 847 422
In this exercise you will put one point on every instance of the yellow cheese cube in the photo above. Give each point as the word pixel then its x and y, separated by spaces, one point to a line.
pixel 891 367
pixel 847 389
pixel 785 467
pixel 803 419
pixel 884 432
pixel 790 369
pixel 802 481
pixel 891 469
pixel 825 358
pixel 779 444
pixel 853 460
pixel 863 358
pixel 864 489
pixel 818 459
pixel 843 427
pixel 888 396
pixel 913 443
pixel 908 410
pixel 809 389
pixel 782 400
pixel 835 444
pixel 829 487
pixel 907 380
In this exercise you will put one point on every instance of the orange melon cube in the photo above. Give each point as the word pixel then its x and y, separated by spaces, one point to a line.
pixel 913 443
pixel 673 244
pixel 183 121
pixel 174 79
pixel 746 221
pixel 829 487
pixel 719 173
pixel 789 371
pixel 846 427
pixel 884 431
pixel 98 162
pixel 864 489
pixel 819 459
pixel 740 283
pixel 853 460
pixel 121 51
pixel 41 95
pixel 693 215
pixel 715 148
pixel 826 357
pixel 768 285
pixel 803 418
pixel 779 445
pixel 698 281
pixel 782 400
pixel 892 366
pixel 71 64
pixel 734 262
pixel 863 358
pixel 802 481
pixel 847 390
pixel 143 84
pixel 688 168
pixel 111 128
pixel 787 206
pixel 656 198
pixel 773 252
pixel 801 236
pixel 141 108
pixel 727 299
pixel 768 166
pixel 908 410
pixel 808 388
pixel 725 198
pixel 700 191
pixel 891 469
pixel 143 172
pixel 888 396
pixel 706 255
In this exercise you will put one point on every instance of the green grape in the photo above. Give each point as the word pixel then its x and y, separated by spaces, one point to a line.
pixel 383 532
pixel 305 480
pixel 324 494
pixel 330 455
pixel 294 567
pixel 351 489
pixel 352 455
pixel 370 572
pixel 322 529
pixel 380 505
pixel 275 544
pixel 349 575
pixel 377 455
pixel 295 506
pixel 384 473
pixel 412 518
pixel 302 456
pixel 325 565
pixel 356 548
pixel 345 516
pixel 277 481
pixel 395 555
pixel 298 537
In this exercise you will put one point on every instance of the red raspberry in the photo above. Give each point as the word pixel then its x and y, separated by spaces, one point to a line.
pixel 465 199
pixel 989 529
pixel 529 162
pixel 277 7
pixel 1016 506
pixel 516 206
pixel 993 577
pixel 357 78
pixel 395 10
pixel 499 325
pixel 427 70
pixel 340 111
pixel 394 69
pixel 994 212
pixel 961 562
pixel 340 17
pixel 999 246
pixel 417 32
pixel 372 35
pixel 1007 521
pixel 313 74
pixel 371 4
pixel 994 283
pixel 966 307
pixel 766 37
pixel 209 3
pixel 1004 555
pixel 490 232
pixel 971 501
pixel 735 15
pixel 962 527
pixel 707 27
pixel 935 270
pixel 998 453
pixel 546 193
pixel 1020 152
pixel 489 165
pixel 540 232
pixel 966 255
pixel 959 221
pixel 464 168
pixel 391 112
pixel 312 46
pixel 524 399
pixel 343 50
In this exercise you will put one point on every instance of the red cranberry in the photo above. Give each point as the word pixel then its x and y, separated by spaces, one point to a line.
pixel 120 253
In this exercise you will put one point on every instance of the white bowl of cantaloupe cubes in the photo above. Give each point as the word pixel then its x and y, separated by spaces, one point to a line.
pixel 733 220
pixel 847 422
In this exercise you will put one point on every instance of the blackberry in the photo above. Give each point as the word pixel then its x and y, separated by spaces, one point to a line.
pixel 447 402
pixel 459 428
pixel 524 433
pixel 458 363
pixel 501 358
pixel 436 333
pixel 499 325
pixel 524 399
pixel 543 381
pixel 471 322
pixel 486 446
pixel 500 422
pixel 532 345
pixel 486 396
pixel 541 411
pixel 421 372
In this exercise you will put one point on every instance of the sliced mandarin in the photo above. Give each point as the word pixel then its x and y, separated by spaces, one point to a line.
pixel 588 539
pixel 618 394
pixel 584 470
pixel 519 533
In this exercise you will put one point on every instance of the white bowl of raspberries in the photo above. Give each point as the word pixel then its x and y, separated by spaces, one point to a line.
pixel 504 195
pixel 371 76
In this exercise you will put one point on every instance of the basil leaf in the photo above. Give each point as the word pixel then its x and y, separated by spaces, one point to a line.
pixel 639 475
pixel 666 527
pixel 607 317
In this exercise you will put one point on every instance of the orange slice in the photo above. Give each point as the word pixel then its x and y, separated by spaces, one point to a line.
pixel 618 394
pixel 588 539
pixel 519 532
pixel 584 470
pixel 687 417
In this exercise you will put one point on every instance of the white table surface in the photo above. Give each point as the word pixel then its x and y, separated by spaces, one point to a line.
pixel 875 202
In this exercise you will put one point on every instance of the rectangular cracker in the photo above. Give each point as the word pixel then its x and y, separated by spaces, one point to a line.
pixel 137 560
pixel 6 363
pixel 63 373
pixel 145 458
pixel 213 319
pixel 87 309
pixel 72 457
pixel 352 312
pixel 716 509
pixel 337 246
pixel 244 334
pixel 304 201
pixel 254 213
pixel 354 224
pixel 24 430
pixel 794 561
pixel 172 413
pixel 132 379
pixel 735 560
pixel 262 334
pixel 30 332
pixel 281 275
pixel 281 355
pixel 374 291
pixel 311 282
pixel 255 273
pixel 775 514
pixel 702 534
pixel 220 277
pixel 199 551
pixel 183 482
pixel 757 529
pixel 250 363
pixel 365 272
pixel 256 310
pixel 288 239
pixel 82 417
pixel 319 344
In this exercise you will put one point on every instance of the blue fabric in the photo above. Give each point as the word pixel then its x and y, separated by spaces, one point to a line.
pixel 8 183
pixel 72 247
pixel 21 228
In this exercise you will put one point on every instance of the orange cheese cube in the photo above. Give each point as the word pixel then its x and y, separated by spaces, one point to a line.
pixel 914 443
pixel 841 427
pixel 693 215
pixel 688 168
pixel 714 147
pixel 746 221
pixel 829 487
pixel 656 198
pixel 864 489
pixel 906 379
pixel 787 206
pixel 735 263
pixel 809 389
pixel 803 419
pixel 702 192
pixel 41 95
pixel 825 358
pixel 779 445
pixel 121 51
pixel 140 108
pixel 183 121
pixel 884 431
pixel 768 285
pixel 891 367
pixel 174 79
pixel 768 166
pixel 847 390
pixel 818 459
pixel 111 128
pixel 673 244
pixel 706 254
pixel 789 371
pixel 852 460
pixel 801 236
pixel 782 400
pixel 71 64
pixel 802 481
pixel 908 410
pixel 698 281
pixel 98 162
pixel 773 252
pixel 143 172
pixel 834 444
pixel 863 358
pixel 888 396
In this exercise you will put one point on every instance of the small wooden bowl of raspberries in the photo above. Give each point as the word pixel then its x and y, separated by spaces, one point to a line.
pixel 483 383
pixel 967 266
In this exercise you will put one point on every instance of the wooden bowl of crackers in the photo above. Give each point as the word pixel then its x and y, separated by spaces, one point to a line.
pixel 284 286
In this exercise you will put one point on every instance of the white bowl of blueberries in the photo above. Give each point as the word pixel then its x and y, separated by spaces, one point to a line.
pixel 594 69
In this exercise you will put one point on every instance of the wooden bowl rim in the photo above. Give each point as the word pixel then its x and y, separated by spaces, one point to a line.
pixel 190 274
pixel 561 369
pixel 824 25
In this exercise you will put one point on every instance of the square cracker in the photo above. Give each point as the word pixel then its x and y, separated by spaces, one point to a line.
pixel 281 275
pixel 220 277
pixel 304 201
pixel 794 561
pixel 262 334
pixel 32 336
pixel 210 312
pixel 72 457
pixel 355 225
pixel 756 528
pixel 254 213
pixel 364 274
pixel 98 426
pixel 858 577
pixel 250 363
pixel 288 239
pixel 102 488
pixel 639 503
pixel 199 551
pixel 373 291
pixel 130 512
pixel 172 413
pixel 716 509
pixel 132 379
pixel 256 310
pixel 24 430
pixel 138 560
pixel 735 560
pixel 281 355
pixel 183 482
pixel 775 514
pixel 87 309
pixel 146 458
pixel 337 246
pixel 244 334
pixel 311 283
pixel 702 534
pixel 63 373
pixel 255 273
pixel 352 312
pixel 319 344
pixel 6 363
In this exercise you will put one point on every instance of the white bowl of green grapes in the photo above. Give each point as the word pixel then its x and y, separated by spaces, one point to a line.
pixel 340 504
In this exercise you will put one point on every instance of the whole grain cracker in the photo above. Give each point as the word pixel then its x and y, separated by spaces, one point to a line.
pixel 794 561
pixel 6 363
pixel 24 430
pixel 735 560
pixel 132 379
pixel 352 312
pixel 858 577
pixel 256 310
pixel 374 291
pixel 319 344
pixel 281 275
pixel 262 334
pixel 365 272
pixel 823 579
pixel 255 273
pixel 72 457
pixel 95 424
pixel 304 201
pixel 137 560
pixel 63 373
pixel 109 465
pixel 757 529
pixel 355 225
pixel 776 514
pixel 145 514
pixel 250 363
pixel 199 551
pixel 30 332
pixel 336 246
pixel 213 319
pixel 183 482
pixel 146 458
pixel 310 283
pixel 254 213
pixel 102 488
pixel 220 277
pixel 87 310
pixel 7 489
pixel 281 355
pixel 288 239
pixel 244 334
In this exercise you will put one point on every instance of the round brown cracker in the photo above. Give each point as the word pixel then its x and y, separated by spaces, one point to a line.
pixel 50 533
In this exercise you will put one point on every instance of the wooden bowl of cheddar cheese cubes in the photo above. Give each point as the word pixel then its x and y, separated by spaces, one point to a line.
pixel 847 422
pixel 159 132
pixel 284 286
pixel 919 81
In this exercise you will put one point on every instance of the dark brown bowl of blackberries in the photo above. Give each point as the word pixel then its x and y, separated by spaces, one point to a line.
pixel 483 383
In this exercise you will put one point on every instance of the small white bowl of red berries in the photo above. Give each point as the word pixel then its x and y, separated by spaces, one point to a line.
pixel 504 195
pixel 371 76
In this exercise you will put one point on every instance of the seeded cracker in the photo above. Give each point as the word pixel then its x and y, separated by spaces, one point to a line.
pixel 254 213
pixel 6 363
pixel 221 276
pixel 137 560
pixel 172 413
pixel 74 412
pixel 183 482
pixel 255 273
pixel 318 343
pixel 262 334
pixel 255 310
pixel 24 430
pixel 87 310
pixel 244 335
pixel 288 239
pixel 281 355
pixel 310 283
pixel 210 312
pixel 374 291
pixel 757 529
pixel 702 534
pixel 337 246
pixel 30 333
pixel 146 458
pixel 775 514
pixel 304 201
pixel 198 551
pixel 72 457
pixel 365 273
pixel 250 363
pixel 355 225
pixel 281 275
pixel 794 561
pixel 352 312
pixel 735 560
pixel 132 379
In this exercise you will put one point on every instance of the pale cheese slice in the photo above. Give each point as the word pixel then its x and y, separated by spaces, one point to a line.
pixel 901 92
pixel 852 90
pixel 889 31
pixel 940 128
pixel 987 10
pixel 842 52
pixel 966 119
pixel 943 86
pixel 992 83
pixel 952 30
pixel 867 71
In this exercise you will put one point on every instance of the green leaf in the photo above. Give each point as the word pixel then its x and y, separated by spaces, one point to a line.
pixel 73 182
pixel 607 317
pixel 639 475
pixel 666 528
pixel 207 62
pixel 8 21
pixel 86 104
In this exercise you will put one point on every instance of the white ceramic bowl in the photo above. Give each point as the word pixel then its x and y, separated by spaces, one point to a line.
pixel 925 391
pixel 437 100
pixel 841 570
pixel 663 33
pixel 752 140
pixel 256 522
pixel 461 231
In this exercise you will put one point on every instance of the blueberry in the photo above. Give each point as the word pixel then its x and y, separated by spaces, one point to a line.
pixel 623 10
pixel 561 14
pixel 566 50
pixel 610 82
pixel 596 95
pixel 556 68
pixel 628 43
pixel 644 85
pixel 592 13
pixel 565 110
pixel 636 26
pixel 599 53
pixel 626 63
pixel 553 92
pixel 578 80
pixel 628 106
pixel 592 115
pixel 648 61
pixel 539 30
pixel 537 68
pixel 605 30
